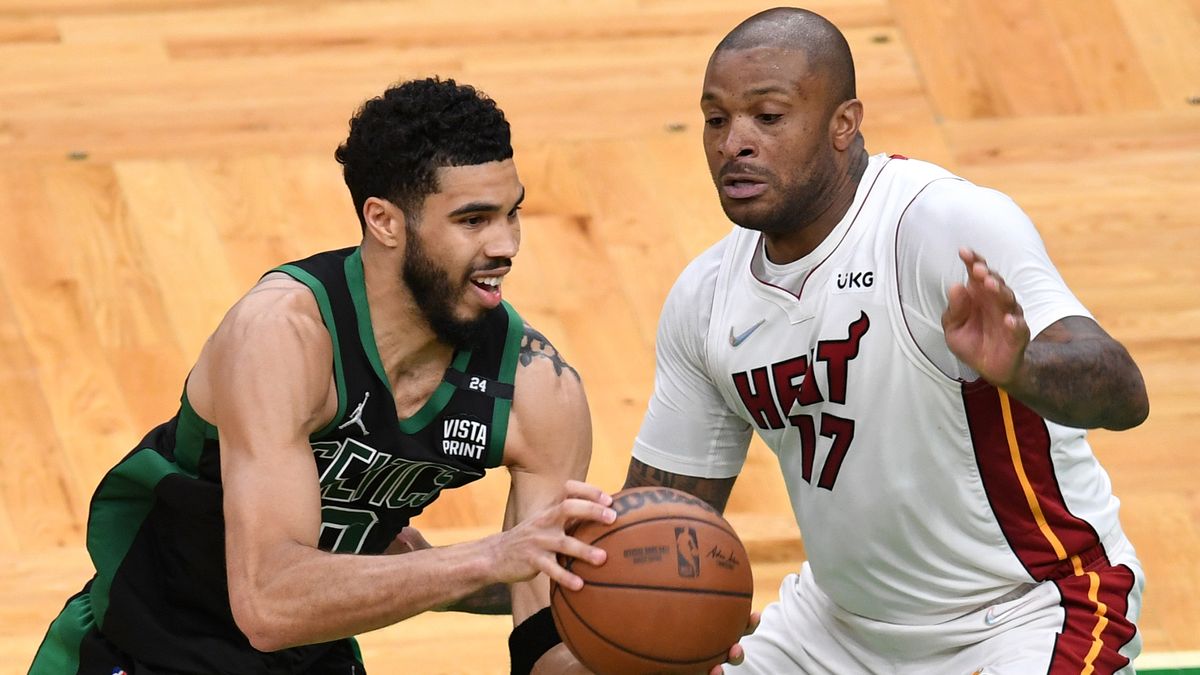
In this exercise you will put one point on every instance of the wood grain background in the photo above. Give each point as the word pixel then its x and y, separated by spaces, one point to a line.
pixel 160 154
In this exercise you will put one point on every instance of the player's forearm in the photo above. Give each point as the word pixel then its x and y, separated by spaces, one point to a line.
pixel 715 491
pixel 492 599
pixel 309 596
pixel 1085 383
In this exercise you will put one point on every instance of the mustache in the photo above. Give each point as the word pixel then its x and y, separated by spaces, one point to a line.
pixel 740 168
pixel 487 266
pixel 493 264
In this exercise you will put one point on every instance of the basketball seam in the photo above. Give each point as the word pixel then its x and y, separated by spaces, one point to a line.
pixel 567 602
pixel 671 589
pixel 562 634
pixel 571 562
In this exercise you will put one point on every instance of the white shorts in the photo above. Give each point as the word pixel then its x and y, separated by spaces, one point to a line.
pixel 1052 628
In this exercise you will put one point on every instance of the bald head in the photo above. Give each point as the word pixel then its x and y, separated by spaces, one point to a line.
pixel 795 29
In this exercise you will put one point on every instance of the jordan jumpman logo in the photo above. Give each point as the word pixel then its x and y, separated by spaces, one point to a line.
pixel 356 417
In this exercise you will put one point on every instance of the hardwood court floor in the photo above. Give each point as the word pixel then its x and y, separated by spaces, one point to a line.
pixel 160 154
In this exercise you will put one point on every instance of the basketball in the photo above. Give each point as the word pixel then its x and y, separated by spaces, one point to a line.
pixel 673 596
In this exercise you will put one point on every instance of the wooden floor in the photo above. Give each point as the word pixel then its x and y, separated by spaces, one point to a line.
pixel 158 155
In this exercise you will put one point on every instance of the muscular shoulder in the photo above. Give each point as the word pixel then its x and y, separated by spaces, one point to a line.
pixel 278 308
pixel 274 331
pixel 539 361
pixel 546 384
pixel 549 404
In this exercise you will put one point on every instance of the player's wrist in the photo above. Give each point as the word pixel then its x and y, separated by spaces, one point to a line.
pixel 489 559
pixel 1020 378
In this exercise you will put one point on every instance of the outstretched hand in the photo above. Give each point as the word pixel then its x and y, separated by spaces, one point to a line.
pixel 736 654
pixel 984 324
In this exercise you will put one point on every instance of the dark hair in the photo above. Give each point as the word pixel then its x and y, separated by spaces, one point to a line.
pixel 398 141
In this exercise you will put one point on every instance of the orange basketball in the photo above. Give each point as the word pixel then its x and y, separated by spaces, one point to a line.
pixel 673 596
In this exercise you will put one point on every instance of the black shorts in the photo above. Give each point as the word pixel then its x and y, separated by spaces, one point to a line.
pixel 75 645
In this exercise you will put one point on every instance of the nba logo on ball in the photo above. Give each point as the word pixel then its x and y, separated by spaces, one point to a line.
pixel 643 611
pixel 687 551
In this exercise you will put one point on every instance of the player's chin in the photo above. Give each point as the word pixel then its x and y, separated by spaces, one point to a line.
pixel 760 217
pixel 469 312
pixel 470 315
pixel 749 204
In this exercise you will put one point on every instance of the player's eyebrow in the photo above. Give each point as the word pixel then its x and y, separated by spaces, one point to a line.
pixel 769 89
pixel 483 207
pixel 757 91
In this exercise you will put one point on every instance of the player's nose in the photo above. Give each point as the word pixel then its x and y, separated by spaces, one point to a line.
pixel 504 240
pixel 739 141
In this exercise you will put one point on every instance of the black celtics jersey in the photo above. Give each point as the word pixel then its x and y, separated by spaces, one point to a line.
pixel 156 528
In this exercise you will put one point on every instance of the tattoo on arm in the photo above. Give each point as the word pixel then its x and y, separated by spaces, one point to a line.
pixel 715 491
pixel 1078 376
pixel 534 344
pixel 494 599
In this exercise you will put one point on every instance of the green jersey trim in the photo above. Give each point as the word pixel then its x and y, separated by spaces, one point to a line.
pixel 508 375
pixel 318 290
pixel 191 430
pixel 59 652
pixel 362 311
pixel 122 502
pixel 441 396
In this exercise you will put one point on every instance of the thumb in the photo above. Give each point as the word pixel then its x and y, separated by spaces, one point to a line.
pixel 957 306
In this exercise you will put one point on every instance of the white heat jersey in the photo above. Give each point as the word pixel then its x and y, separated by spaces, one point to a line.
pixel 921 492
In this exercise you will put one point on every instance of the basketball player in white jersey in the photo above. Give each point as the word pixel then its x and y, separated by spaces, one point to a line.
pixel 900 339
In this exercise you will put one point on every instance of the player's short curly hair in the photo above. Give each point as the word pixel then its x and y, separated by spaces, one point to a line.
pixel 398 141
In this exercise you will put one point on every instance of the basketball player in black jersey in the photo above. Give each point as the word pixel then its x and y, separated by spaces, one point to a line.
pixel 336 400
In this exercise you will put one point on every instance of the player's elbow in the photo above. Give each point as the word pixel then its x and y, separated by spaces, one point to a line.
pixel 1131 403
pixel 1134 411
pixel 1118 389
pixel 263 628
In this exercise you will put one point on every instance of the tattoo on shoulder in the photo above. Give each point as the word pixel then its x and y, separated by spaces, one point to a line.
pixel 534 344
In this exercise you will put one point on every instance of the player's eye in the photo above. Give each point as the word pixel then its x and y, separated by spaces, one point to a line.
pixel 769 118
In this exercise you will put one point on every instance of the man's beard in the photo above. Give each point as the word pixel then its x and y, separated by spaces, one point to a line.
pixel 779 220
pixel 801 201
pixel 436 296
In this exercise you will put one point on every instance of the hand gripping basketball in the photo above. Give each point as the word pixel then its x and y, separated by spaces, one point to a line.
pixel 673 597
pixel 535 544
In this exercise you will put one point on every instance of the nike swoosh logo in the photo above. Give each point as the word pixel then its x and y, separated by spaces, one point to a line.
pixel 736 340
pixel 992 617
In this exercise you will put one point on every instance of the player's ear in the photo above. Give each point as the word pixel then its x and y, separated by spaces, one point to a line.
pixel 384 221
pixel 843 127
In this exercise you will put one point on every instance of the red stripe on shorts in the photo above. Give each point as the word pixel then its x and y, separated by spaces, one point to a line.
pixel 1095 628
pixel 1043 535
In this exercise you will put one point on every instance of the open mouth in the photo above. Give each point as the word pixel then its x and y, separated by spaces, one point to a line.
pixel 742 185
pixel 743 189
pixel 489 288
pixel 488 283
